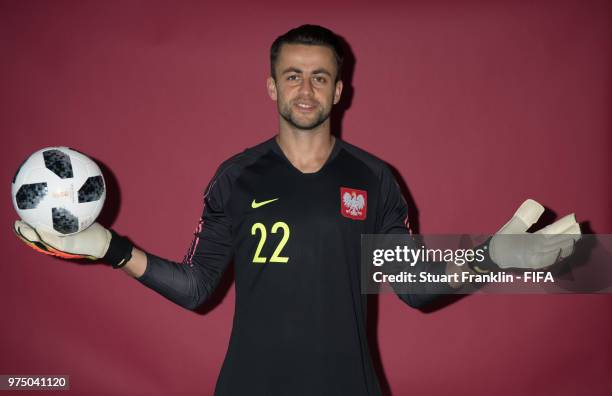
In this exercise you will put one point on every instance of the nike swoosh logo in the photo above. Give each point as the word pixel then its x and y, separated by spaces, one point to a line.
pixel 256 205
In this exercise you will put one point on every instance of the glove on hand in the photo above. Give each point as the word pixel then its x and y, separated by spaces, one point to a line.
pixel 93 243
pixel 514 247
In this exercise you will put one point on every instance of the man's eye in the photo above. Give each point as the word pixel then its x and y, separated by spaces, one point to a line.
pixel 292 77
pixel 320 79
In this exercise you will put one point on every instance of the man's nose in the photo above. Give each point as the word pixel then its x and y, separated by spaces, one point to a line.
pixel 306 87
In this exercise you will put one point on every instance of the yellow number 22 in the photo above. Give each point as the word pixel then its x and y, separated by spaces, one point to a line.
pixel 276 258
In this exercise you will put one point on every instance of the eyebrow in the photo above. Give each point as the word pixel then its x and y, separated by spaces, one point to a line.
pixel 296 70
pixel 321 71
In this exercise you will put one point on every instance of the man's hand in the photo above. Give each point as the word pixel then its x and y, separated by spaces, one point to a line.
pixel 91 243
pixel 514 247
pixel 95 242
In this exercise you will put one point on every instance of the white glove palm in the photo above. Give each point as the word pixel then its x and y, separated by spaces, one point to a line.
pixel 514 247
pixel 91 243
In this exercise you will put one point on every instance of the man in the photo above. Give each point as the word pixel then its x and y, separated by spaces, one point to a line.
pixel 289 212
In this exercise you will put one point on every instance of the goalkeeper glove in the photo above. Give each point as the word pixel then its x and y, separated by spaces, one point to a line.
pixel 513 247
pixel 93 243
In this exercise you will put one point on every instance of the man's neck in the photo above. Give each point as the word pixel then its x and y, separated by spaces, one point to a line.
pixel 306 150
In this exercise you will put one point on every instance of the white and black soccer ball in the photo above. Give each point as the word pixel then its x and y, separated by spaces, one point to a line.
pixel 58 190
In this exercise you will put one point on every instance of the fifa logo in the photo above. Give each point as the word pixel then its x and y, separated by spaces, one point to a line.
pixel 60 194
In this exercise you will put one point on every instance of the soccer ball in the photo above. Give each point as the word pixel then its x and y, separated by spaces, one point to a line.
pixel 58 190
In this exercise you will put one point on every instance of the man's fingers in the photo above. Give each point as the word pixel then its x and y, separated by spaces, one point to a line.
pixel 29 236
pixel 568 250
pixel 565 246
pixel 24 231
pixel 65 255
pixel 548 242
pixel 574 229
pixel 33 239
pixel 543 260
pixel 561 236
pixel 565 225
pixel 520 249
pixel 529 212
pixel 55 241
pixel 525 216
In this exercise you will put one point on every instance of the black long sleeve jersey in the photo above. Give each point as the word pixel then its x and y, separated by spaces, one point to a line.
pixel 294 238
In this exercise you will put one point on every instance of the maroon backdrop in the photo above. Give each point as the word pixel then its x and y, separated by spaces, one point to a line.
pixel 478 105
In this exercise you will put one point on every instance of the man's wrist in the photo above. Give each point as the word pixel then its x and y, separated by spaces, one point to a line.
pixel 119 251
pixel 486 265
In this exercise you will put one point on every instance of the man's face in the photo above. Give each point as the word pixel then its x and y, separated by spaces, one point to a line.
pixel 305 89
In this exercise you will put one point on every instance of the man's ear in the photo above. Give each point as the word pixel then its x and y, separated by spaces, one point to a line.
pixel 271 86
pixel 338 91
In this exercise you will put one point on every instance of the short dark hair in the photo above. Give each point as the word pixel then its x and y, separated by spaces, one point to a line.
pixel 308 35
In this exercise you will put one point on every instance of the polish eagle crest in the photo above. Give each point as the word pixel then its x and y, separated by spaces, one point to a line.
pixel 353 203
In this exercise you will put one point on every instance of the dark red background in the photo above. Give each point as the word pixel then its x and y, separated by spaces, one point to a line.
pixel 477 104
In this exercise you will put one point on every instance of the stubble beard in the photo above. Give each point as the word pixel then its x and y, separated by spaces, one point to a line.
pixel 286 111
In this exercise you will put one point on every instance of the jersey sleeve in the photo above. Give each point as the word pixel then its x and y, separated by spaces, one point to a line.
pixel 191 282
pixel 395 220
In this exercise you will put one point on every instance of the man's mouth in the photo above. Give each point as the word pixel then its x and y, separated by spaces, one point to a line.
pixel 305 106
